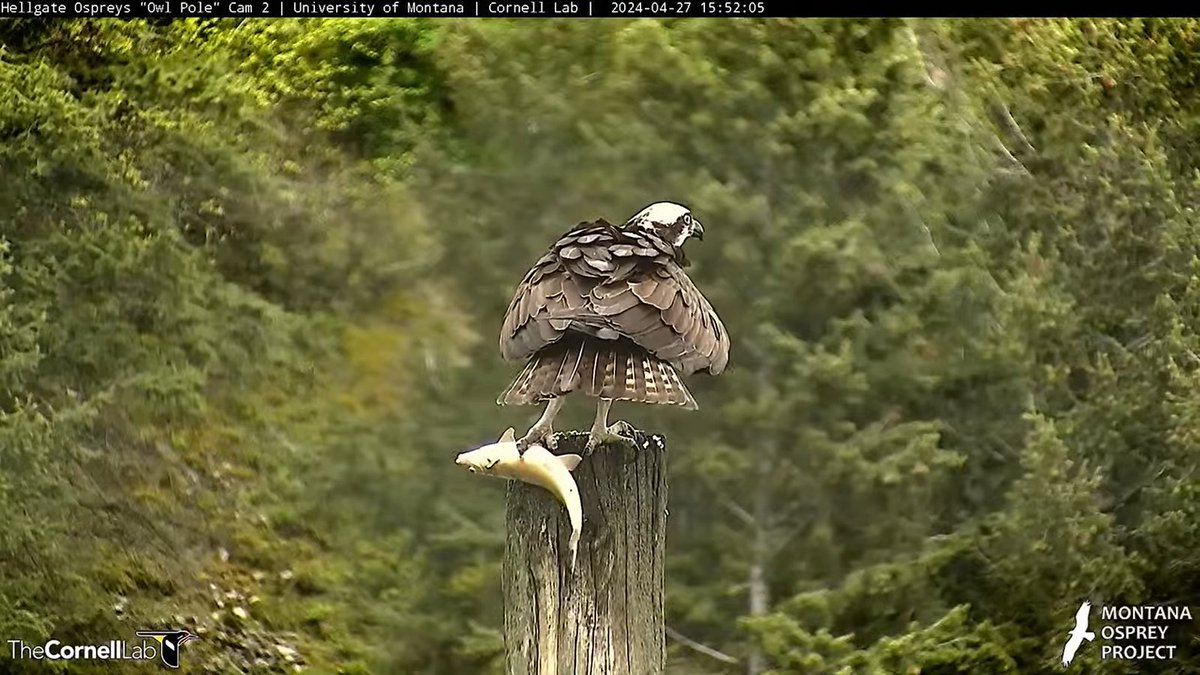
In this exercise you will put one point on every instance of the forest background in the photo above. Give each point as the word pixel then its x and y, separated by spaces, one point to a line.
pixel 252 274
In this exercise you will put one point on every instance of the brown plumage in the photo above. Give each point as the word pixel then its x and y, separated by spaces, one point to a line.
pixel 609 311
pixel 618 370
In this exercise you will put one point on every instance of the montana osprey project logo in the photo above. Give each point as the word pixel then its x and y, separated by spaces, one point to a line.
pixel 1078 634
pixel 1132 633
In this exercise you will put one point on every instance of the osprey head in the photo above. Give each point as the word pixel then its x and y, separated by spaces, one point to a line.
pixel 668 220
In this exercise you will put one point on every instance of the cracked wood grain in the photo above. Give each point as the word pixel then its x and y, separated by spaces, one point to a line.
pixel 606 618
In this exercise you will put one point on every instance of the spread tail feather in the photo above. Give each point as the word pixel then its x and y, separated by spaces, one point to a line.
pixel 616 369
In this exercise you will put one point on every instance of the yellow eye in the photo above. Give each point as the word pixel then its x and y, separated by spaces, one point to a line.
pixel 471 469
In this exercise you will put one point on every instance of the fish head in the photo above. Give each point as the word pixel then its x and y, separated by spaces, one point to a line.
pixel 486 459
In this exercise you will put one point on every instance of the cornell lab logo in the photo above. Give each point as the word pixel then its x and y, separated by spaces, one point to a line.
pixel 169 643
pixel 163 646
pixel 1128 632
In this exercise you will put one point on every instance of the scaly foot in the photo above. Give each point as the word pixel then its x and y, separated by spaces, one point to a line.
pixel 619 432
pixel 537 435
pixel 625 430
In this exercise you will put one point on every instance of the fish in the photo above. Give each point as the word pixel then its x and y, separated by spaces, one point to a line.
pixel 536 466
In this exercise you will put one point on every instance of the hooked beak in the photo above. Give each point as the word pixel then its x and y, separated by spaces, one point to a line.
pixel 697 230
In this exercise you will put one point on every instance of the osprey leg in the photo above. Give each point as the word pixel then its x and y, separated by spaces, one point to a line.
pixel 601 432
pixel 542 430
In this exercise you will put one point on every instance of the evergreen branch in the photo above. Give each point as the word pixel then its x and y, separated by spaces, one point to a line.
pixel 1010 123
pixel 699 647
pixel 462 520
pixel 1014 163
pixel 788 535
pixel 1124 499
pixel 728 502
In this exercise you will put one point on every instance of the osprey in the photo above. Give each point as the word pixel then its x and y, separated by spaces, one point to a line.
pixel 609 311
pixel 1078 634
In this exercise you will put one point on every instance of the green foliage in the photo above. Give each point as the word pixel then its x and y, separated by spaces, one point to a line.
pixel 249 271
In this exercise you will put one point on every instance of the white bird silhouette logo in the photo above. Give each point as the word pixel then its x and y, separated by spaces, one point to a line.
pixel 1078 634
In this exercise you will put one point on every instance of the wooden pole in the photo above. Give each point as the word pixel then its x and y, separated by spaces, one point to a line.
pixel 607 617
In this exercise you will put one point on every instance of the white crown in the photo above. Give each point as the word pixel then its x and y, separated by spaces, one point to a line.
pixel 661 212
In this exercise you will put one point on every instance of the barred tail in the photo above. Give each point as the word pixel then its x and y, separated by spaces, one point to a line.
pixel 618 370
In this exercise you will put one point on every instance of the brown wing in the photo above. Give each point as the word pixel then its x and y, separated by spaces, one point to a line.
pixel 688 334
pixel 608 283
pixel 547 290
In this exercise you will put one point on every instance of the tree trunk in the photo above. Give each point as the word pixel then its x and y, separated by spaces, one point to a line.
pixel 760 600
pixel 607 617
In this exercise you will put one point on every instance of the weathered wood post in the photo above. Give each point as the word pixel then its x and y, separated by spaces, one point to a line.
pixel 607 617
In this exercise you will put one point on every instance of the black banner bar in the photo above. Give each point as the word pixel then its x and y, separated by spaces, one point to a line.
pixel 167 9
